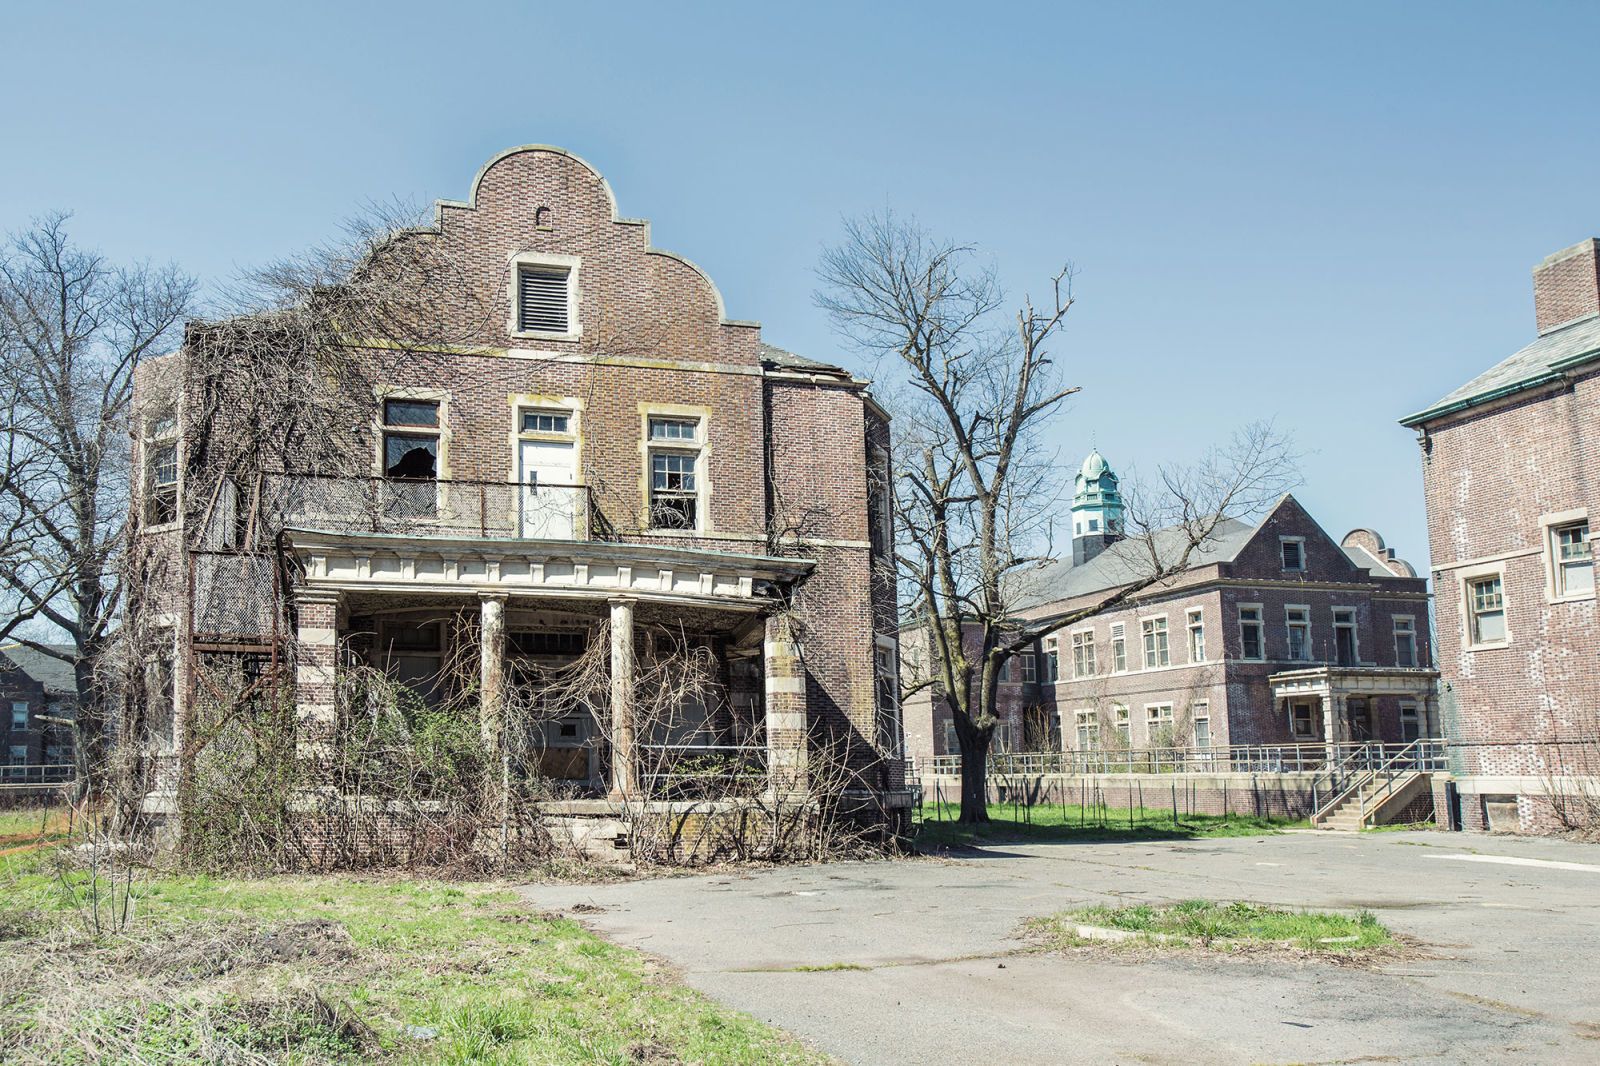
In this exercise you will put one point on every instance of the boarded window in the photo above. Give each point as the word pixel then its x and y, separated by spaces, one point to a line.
pixel 542 297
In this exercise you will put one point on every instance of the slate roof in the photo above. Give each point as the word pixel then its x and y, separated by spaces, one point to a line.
pixel 1541 361
pixel 1123 562
pixel 55 675
pixel 772 355
pixel 1367 561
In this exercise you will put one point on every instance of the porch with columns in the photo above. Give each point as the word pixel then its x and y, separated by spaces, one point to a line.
pixel 1333 689
pixel 630 588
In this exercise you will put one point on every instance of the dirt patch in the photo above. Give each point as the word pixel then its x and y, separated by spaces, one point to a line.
pixel 231 948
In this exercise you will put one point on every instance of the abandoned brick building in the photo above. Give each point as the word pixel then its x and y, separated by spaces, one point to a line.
pixel 1508 464
pixel 612 454
pixel 1276 635
pixel 38 696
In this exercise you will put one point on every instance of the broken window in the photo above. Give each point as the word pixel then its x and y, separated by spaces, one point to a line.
pixel 1486 606
pixel 161 470
pixel 411 439
pixel 1574 557
pixel 674 474
pixel 1344 636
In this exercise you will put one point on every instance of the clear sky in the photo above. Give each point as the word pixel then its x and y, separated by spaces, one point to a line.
pixel 1324 214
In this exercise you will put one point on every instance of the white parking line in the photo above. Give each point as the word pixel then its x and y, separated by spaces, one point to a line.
pixel 1512 860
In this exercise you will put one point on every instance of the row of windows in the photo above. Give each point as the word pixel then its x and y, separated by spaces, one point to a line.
pixel 1159 727
pixel 1156 650
pixel 1570 560
pixel 410 441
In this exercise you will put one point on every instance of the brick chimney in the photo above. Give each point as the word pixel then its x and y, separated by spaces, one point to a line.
pixel 1566 286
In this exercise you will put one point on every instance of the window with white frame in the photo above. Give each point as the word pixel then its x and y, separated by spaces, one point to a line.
pixel 1302 721
pixel 675 445
pixel 1486 610
pixel 1294 552
pixel 18 756
pixel 1088 729
pixel 1124 724
pixel 19 714
pixel 1005 670
pixel 1252 632
pixel 952 740
pixel 535 420
pixel 1083 664
pixel 1572 559
pixel 1158 724
pixel 1156 652
pixel 1346 650
pixel 1197 635
pixel 1027 667
pixel 1405 640
pixel 1052 659
pixel 1201 713
pixel 161 470
pixel 1297 625
pixel 1119 648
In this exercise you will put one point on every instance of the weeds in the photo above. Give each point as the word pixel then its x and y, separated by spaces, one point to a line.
pixel 1220 926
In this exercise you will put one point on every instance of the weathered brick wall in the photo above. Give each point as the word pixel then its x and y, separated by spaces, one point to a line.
pixel 1489 476
pixel 1566 286
pixel 652 332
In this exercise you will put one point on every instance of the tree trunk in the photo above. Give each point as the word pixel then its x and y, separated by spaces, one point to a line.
pixel 89 731
pixel 975 777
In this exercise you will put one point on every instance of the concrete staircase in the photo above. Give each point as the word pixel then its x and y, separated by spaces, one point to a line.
pixel 1374 799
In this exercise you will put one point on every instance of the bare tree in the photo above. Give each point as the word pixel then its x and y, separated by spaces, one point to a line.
pixel 72 329
pixel 973 391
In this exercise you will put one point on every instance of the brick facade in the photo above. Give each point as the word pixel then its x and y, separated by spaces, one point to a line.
pixel 33 688
pixel 1233 693
pixel 783 443
pixel 1507 461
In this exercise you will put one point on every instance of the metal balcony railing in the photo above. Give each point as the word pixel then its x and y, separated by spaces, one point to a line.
pixel 530 510
pixel 1343 759
pixel 36 774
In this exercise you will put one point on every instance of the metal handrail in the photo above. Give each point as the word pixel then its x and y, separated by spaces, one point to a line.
pixel 1391 773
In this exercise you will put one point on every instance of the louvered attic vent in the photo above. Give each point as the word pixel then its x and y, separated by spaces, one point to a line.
pixel 542 300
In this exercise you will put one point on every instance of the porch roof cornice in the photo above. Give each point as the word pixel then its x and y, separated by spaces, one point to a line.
pixel 1355 681
pixel 376 561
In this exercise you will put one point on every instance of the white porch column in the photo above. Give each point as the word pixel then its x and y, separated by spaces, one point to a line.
pixel 492 671
pixel 315 675
pixel 1333 724
pixel 624 764
pixel 786 709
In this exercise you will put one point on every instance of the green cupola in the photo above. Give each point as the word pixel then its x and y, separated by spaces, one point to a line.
pixel 1096 509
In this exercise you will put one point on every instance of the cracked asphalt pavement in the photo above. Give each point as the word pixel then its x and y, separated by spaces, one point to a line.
pixel 921 961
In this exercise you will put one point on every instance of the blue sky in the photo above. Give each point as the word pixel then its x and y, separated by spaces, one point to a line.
pixel 1325 215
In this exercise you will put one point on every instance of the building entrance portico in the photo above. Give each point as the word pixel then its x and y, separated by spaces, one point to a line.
pixel 1339 705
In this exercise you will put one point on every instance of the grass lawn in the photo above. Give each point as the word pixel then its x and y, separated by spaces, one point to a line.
pixel 27 825
pixel 337 969
pixel 936 827
pixel 1223 926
